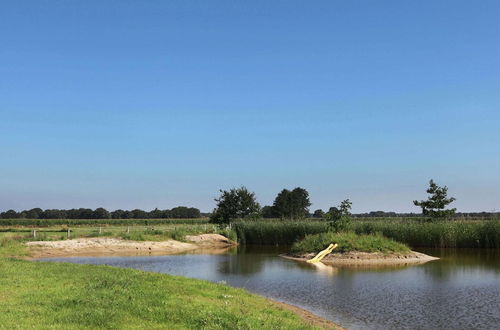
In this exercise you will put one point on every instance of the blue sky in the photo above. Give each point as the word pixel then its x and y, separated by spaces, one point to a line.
pixel 143 104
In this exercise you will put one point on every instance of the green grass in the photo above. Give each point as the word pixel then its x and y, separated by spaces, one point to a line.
pixel 69 296
pixel 348 242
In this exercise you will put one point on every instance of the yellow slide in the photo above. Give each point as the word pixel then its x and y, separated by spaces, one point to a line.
pixel 322 254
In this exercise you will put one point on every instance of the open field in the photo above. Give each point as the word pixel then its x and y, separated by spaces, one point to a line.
pixel 157 232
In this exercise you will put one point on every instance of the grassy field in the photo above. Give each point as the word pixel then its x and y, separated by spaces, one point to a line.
pixel 131 232
pixel 349 242
pixel 415 233
pixel 69 296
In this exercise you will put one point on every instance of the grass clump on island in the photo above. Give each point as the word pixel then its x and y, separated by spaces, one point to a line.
pixel 70 296
pixel 349 242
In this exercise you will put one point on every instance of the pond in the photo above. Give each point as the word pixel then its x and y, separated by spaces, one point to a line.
pixel 459 291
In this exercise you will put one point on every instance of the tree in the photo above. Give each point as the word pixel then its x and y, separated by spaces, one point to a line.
pixel 339 218
pixel 236 203
pixel 292 204
pixel 10 214
pixel 318 214
pixel 269 212
pixel 100 213
pixel 435 205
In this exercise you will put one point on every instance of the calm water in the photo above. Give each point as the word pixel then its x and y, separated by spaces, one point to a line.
pixel 460 291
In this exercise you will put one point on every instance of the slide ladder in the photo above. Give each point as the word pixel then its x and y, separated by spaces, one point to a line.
pixel 322 254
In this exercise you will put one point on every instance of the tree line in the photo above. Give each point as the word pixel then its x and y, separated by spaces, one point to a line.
pixel 180 212
pixel 240 203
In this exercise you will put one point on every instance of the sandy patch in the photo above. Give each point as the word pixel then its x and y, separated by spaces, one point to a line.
pixel 100 246
pixel 210 239
pixel 365 259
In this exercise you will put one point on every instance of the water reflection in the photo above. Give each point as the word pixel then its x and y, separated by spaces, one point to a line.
pixel 460 291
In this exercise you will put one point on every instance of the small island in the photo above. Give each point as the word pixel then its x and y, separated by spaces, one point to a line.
pixel 357 250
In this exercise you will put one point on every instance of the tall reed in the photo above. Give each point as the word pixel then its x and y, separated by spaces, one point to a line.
pixel 415 233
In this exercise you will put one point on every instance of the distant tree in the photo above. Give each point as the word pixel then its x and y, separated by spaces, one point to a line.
pixel 269 212
pixel 156 214
pixel 138 214
pixel 183 212
pixel 118 214
pixel 54 214
pixel 236 203
pixel 434 206
pixel 339 218
pixel 292 204
pixel 34 213
pixel 318 214
pixel 100 213
pixel 10 214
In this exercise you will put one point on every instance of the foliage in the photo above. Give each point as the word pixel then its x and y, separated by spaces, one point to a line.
pixel 339 218
pixel 42 295
pixel 435 205
pixel 292 204
pixel 318 214
pixel 236 203
pixel 348 241
pixel 269 212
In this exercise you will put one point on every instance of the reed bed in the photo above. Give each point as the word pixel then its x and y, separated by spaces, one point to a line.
pixel 443 234
pixel 415 233
pixel 276 232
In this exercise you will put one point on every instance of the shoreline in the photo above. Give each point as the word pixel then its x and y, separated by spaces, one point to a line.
pixel 365 259
pixel 203 244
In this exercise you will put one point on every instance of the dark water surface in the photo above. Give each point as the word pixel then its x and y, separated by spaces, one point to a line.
pixel 459 291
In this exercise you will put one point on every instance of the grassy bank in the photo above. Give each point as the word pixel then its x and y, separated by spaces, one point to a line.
pixel 349 242
pixel 415 233
pixel 70 296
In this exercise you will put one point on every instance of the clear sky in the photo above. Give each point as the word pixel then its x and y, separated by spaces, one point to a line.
pixel 143 104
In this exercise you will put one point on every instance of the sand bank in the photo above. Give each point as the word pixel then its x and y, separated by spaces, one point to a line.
pixel 107 246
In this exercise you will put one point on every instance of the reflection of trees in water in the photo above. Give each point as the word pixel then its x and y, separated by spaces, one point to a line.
pixel 241 264
pixel 454 261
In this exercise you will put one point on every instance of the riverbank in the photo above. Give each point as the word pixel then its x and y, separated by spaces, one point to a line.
pixel 70 296
pixel 112 246
pixel 57 295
